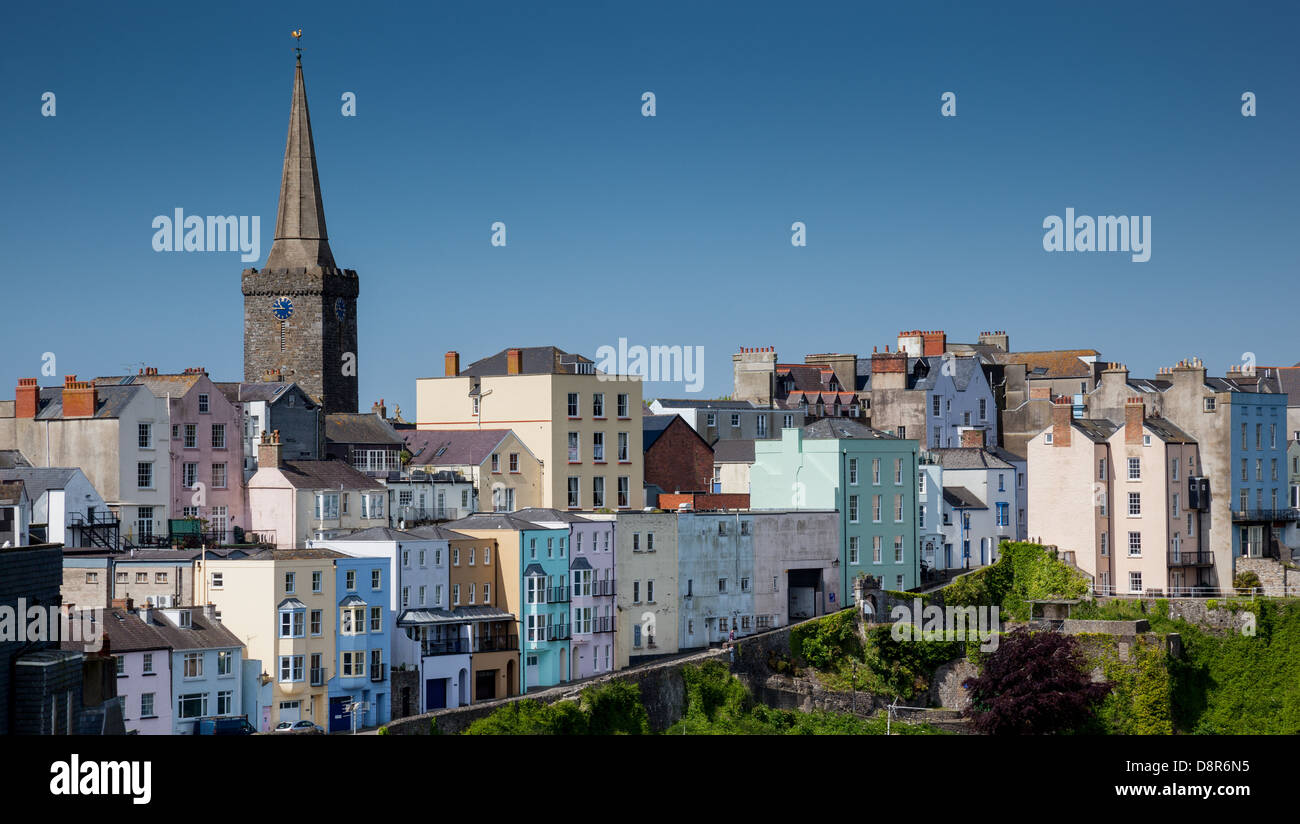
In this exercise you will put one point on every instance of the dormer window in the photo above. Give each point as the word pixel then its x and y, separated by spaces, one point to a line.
pixel 183 619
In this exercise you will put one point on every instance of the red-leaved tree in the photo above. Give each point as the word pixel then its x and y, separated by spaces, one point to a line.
pixel 1034 684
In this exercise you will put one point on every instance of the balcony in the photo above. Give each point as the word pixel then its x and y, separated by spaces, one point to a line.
pixel 1261 516
pixel 603 624
pixel 557 595
pixel 444 646
pixel 602 588
pixel 379 673
pixel 417 514
pixel 1185 559
pixel 496 643
pixel 558 632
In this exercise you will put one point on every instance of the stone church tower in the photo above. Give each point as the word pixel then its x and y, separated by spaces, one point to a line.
pixel 300 310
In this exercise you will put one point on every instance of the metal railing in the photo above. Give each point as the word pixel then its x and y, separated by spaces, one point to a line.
pixel 496 643
pixel 557 595
pixel 558 632
pixel 602 624
pixel 1198 592
pixel 1265 515
pixel 602 587
pixel 444 646
pixel 412 514
pixel 1198 558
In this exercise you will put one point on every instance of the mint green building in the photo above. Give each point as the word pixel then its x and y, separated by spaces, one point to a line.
pixel 868 476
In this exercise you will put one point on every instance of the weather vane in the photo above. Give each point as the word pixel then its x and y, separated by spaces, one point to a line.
pixel 297 38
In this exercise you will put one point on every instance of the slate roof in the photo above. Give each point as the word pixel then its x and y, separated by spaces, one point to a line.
pixel 125 632
pixel 809 377
pixel 162 386
pixel 296 554
pixel 435 532
pixel 329 474
pixel 1166 431
pixel 490 520
pixel 836 428
pixel 110 401
pixel 378 533
pixel 236 392
pixel 452 447
pixel 1289 380
pixel 652 426
pixel 537 514
pixel 356 427
pixel 969 457
pixel 537 360
pixel 1097 430
pixel 959 497
pixel 739 450
pixel 202 633
pixel 40 480
pixel 580 563
pixel 534 569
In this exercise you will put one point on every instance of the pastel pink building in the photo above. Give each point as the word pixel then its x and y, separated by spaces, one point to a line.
pixel 205 448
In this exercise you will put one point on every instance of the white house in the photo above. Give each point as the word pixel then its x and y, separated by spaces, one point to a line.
pixel 66 504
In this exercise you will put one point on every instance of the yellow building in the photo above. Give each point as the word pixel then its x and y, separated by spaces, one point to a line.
pixel 282 605
pixel 584 426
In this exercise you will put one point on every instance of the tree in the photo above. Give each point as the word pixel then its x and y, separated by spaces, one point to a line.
pixel 1034 684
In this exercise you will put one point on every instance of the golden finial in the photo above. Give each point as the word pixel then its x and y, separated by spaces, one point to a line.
pixel 297 39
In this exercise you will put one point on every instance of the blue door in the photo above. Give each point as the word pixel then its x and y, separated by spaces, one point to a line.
pixel 435 694
pixel 340 715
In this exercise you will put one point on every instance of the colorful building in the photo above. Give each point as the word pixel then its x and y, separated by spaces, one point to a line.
pixel 359 690
pixel 715 576
pixel 868 476
pixel 647 597
pixel 284 606
pixel 535 573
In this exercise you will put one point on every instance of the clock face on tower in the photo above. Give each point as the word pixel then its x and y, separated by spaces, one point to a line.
pixel 340 308
pixel 282 308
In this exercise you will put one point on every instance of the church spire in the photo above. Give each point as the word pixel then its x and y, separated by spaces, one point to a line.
pixel 300 236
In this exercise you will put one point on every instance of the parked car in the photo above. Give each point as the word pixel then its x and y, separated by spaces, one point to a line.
pixel 224 726
pixel 303 727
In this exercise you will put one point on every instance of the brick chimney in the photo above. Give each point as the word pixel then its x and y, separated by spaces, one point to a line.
pixel 269 451
pixel 514 361
pixel 125 604
pixel 1134 415
pixel 380 409
pixel 912 342
pixel 26 398
pixel 888 370
pixel 1062 412
pixel 973 438
pixel 934 342
pixel 451 364
pixel 78 398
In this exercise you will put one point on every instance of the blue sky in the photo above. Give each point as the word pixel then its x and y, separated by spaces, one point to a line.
pixel 667 230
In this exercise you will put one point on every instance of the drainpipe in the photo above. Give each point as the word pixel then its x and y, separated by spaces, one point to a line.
pixel 844 530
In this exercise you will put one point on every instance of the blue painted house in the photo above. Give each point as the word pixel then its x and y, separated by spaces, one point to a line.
pixel 360 681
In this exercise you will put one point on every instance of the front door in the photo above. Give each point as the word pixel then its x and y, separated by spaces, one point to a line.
pixel 531 671
pixel 435 694
pixel 485 685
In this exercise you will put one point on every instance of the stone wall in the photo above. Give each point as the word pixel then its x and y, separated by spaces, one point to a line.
pixel 1274 577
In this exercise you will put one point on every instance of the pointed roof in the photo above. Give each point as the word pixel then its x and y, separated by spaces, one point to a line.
pixel 300 236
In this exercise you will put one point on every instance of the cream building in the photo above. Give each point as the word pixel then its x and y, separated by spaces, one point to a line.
pixel 646 594
pixel 282 605
pixel 584 426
